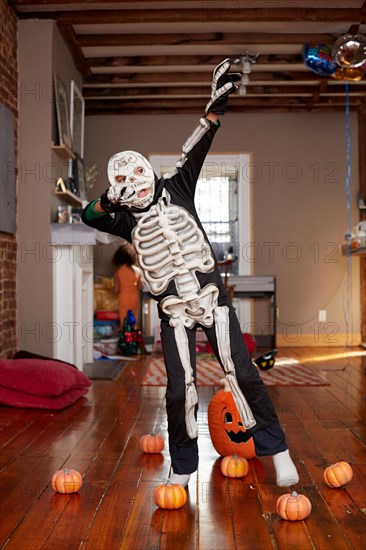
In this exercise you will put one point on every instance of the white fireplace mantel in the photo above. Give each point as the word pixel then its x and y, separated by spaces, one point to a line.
pixel 72 257
pixel 72 234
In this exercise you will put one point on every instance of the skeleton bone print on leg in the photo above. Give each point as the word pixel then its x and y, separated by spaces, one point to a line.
pixel 170 245
pixel 221 315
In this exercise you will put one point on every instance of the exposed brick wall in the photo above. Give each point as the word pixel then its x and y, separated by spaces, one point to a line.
pixel 8 243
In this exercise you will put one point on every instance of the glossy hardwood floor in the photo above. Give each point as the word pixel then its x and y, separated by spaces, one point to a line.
pixel 99 436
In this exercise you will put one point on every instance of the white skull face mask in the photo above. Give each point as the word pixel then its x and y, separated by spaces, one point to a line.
pixel 132 179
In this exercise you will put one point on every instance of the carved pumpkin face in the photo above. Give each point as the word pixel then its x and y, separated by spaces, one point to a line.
pixel 227 432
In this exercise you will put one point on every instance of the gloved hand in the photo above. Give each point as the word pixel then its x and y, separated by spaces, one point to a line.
pixel 223 84
pixel 109 200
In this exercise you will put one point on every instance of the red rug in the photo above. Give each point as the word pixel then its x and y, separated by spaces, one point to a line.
pixel 286 372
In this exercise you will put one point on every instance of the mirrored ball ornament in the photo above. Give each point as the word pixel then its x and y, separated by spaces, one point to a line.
pixel 349 51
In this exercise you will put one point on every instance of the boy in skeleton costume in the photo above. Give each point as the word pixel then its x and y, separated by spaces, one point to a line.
pixel 177 263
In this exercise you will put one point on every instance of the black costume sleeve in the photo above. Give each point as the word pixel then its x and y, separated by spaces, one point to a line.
pixel 186 176
pixel 119 224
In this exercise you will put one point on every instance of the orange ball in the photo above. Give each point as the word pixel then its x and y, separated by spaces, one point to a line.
pixel 66 481
pixel 170 497
pixel 293 506
pixel 152 443
pixel 234 466
pixel 338 474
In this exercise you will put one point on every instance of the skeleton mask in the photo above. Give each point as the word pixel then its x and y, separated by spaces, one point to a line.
pixel 132 179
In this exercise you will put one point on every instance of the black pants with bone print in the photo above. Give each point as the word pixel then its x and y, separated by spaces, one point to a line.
pixel 268 435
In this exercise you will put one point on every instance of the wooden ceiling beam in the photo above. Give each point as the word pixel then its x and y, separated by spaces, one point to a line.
pixel 200 15
pixel 192 39
pixel 196 111
pixel 105 93
pixel 123 78
pixel 91 2
pixel 147 104
pixel 203 91
pixel 165 110
pixel 78 2
pixel 176 60
pixel 321 89
pixel 160 79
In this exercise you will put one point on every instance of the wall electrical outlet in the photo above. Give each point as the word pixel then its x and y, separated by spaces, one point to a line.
pixel 322 315
pixel 277 312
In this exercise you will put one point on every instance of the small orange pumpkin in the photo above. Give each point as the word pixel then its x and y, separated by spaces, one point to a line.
pixel 293 506
pixel 170 497
pixel 227 431
pixel 234 466
pixel 338 474
pixel 66 481
pixel 152 443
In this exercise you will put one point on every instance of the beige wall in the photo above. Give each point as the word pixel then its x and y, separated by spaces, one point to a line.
pixel 34 196
pixel 41 53
pixel 299 205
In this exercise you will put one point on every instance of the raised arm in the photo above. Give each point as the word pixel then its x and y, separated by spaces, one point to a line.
pixel 131 175
pixel 196 147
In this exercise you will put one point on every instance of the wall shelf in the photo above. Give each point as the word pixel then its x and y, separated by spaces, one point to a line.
pixel 70 197
pixel 63 151
pixel 361 251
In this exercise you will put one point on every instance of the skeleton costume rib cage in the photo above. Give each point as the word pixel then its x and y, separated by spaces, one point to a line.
pixel 179 268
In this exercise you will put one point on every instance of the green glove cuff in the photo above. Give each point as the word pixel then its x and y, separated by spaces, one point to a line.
pixel 92 214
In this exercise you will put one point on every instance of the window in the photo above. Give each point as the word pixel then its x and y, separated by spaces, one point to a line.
pixel 217 206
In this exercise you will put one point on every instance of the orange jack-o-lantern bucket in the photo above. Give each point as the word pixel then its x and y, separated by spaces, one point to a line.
pixel 227 431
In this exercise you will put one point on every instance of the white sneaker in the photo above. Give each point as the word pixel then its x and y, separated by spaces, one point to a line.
pixel 286 473
pixel 180 479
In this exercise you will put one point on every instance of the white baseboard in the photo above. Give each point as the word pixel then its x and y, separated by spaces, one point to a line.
pixel 319 340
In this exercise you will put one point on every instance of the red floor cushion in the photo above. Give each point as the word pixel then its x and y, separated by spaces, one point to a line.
pixel 40 383
pixel 24 354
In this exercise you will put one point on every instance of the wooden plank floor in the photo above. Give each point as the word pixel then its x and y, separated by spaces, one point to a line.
pixel 99 436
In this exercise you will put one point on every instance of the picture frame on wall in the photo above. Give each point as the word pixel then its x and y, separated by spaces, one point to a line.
pixel 62 112
pixel 8 171
pixel 77 112
pixel 75 214
pixel 78 170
